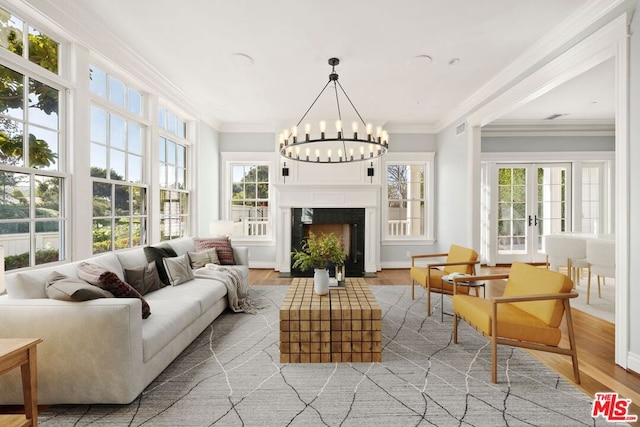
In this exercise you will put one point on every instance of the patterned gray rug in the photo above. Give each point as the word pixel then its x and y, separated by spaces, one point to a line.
pixel 231 376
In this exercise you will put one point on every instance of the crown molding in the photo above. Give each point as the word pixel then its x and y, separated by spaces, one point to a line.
pixel 106 46
pixel 552 42
pixel 248 127
pixel 411 127
pixel 505 128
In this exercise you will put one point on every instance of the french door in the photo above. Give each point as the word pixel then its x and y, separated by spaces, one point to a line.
pixel 532 200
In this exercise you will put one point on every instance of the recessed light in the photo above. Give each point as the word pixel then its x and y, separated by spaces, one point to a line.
pixel 241 59
pixel 454 61
pixel 420 60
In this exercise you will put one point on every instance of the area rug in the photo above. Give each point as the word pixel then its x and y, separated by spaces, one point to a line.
pixel 603 307
pixel 231 376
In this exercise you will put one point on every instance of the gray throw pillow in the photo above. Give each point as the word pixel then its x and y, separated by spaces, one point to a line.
pixel 157 254
pixel 178 269
pixel 65 288
pixel 202 258
pixel 144 279
pixel 90 272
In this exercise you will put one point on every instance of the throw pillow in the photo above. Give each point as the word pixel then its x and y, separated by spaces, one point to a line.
pixel 90 272
pixel 200 259
pixel 178 269
pixel 222 245
pixel 144 279
pixel 156 254
pixel 110 281
pixel 65 288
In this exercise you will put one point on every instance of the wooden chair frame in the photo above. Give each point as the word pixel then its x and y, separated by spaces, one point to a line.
pixel 496 339
pixel 435 265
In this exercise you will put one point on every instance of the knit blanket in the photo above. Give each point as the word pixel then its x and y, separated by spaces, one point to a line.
pixel 237 286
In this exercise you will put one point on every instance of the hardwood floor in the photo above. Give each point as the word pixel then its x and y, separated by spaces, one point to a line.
pixel 595 340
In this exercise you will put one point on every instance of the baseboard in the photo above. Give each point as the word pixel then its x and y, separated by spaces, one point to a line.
pixel 395 264
pixel 262 265
pixel 633 362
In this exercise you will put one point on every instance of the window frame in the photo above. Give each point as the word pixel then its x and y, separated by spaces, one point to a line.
pixel 183 141
pixel 30 70
pixel 230 159
pixel 105 104
pixel 427 161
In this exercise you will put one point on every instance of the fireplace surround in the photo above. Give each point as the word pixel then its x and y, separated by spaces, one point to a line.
pixel 348 223
pixel 362 197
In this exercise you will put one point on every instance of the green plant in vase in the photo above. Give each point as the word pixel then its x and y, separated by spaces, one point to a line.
pixel 318 251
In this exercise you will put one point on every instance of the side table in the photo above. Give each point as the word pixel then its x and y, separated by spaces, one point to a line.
pixel 21 352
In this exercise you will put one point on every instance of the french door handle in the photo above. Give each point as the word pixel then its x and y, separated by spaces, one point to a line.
pixel 533 221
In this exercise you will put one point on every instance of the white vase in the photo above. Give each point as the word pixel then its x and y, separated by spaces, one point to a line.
pixel 321 281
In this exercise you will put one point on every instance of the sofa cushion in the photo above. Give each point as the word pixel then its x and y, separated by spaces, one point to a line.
pixel 178 269
pixel 222 246
pixel 65 288
pixel 32 284
pixel 156 254
pixel 111 282
pixel 90 272
pixel 171 317
pixel 144 279
pixel 132 258
pixel 202 258
pixel 110 262
pixel 182 245
pixel 204 292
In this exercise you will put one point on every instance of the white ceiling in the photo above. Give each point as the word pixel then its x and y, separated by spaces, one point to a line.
pixel 193 42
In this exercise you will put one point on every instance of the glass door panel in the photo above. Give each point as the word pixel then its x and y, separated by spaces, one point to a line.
pixel 532 201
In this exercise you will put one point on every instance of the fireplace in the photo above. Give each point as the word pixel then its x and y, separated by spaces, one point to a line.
pixel 349 223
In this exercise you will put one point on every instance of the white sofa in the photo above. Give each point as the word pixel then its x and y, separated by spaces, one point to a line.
pixel 102 351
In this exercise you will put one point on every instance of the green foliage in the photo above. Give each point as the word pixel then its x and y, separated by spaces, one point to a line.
pixel 318 251
pixel 43 256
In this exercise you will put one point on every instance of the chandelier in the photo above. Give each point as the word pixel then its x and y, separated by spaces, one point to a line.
pixel 317 145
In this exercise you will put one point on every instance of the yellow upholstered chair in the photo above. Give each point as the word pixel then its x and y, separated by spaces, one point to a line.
pixel 527 315
pixel 458 260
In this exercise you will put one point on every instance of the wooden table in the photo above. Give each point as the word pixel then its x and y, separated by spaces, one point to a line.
pixel 344 326
pixel 21 352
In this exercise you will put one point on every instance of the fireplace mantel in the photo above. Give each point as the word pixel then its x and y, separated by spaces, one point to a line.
pixel 365 196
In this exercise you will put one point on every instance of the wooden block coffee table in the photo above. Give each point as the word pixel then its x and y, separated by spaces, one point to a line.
pixel 344 326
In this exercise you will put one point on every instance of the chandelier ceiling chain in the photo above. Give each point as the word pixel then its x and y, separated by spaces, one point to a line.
pixel 319 148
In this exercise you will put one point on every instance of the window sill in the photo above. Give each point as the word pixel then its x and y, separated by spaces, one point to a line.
pixel 408 242
pixel 248 241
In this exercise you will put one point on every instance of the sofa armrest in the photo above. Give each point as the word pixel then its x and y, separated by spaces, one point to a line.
pixel 241 255
pixel 91 351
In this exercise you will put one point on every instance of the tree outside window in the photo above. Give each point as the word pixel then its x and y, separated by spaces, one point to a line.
pixel 250 199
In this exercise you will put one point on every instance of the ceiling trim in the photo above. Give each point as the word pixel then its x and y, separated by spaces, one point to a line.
pixel 547 128
pixel 108 48
pixel 568 30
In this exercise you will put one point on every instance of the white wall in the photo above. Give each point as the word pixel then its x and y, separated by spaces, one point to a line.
pixel 452 190
pixel 634 195
pixel 207 191
pixel 247 141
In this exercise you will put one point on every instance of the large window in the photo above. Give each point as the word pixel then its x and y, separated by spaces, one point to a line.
pixel 408 214
pixel 19 37
pixel 32 179
pixel 250 199
pixel 174 191
pixel 117 164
